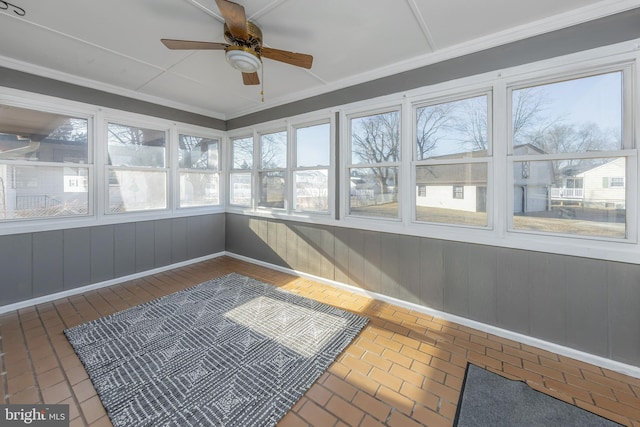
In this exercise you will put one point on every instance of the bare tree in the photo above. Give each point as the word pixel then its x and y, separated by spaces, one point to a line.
pixel 526 112
pixel 273 150
pixel 243 153
pixel 376 139
pixel 73 131
pixel 430 121
pixel 471 122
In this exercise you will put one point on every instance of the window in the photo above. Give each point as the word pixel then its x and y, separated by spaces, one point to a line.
pixel 616 182
pixel 311 169
pixel 375 165
pixel 198 163
pixel 452 152
pixel 45 168
pixel 137 169
pixel 271 173
pixel 458 192
pixel 241 168
pixel 569 134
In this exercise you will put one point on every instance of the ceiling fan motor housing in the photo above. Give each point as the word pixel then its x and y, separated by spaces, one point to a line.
pixel 253 41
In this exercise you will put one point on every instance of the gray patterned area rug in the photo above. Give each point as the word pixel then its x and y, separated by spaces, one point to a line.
pixel 489 400
pixel 229 352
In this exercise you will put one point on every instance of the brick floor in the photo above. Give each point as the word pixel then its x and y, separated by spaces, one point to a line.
pixel 404 369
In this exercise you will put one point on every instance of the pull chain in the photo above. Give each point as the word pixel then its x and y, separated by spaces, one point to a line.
pixel 262 83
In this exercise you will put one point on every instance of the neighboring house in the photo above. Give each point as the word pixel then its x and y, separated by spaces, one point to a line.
pixel 531 181
pixel 25 190
pixel 312 190
pixel 460 187
pixel 599 187
pixel 463 187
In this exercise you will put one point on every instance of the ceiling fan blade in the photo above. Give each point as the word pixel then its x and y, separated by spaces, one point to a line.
pixel 192 45
pixel 250 78
pixel 298 59
pixel 235 18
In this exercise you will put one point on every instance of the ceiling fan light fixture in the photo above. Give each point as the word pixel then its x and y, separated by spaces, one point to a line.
pixel 243 59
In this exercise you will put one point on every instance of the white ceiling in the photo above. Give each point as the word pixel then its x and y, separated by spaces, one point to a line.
pixel 115 45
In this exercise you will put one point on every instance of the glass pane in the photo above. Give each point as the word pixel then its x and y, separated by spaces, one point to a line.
pixel 43 191
pixel 312 190
pixel 313 145
pixel 376 139
pixel 133 146
pixel 568 117
pixel 198 153
pixel 45 137
pixel 452 129
pixel 584 197
pixel 452 194
pixel 271 190
pixel 240 189
pixel 374 192
pixel 136 190
pixel 242 153
pixel 273 150
pixel 199 189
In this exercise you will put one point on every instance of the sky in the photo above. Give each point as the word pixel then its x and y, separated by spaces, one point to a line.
pixel 596 99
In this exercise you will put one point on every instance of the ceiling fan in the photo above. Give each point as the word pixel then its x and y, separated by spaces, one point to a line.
pixel 244 49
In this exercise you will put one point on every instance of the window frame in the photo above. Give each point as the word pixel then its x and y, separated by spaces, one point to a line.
pixel 453 96
pixel 236 171
pixel 168 169
pixel 259 169
pixel 198 133
pixel 348 164
pixel 59 107
pixel 628 150
pixel 295 168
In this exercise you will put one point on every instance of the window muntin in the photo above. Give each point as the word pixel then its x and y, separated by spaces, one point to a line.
pixel 560 184
pixel 271 176
pixel 375 141
pixel 137 169
pixel 311 171
pixel 451 168
pixel 45 167
pixel 198 162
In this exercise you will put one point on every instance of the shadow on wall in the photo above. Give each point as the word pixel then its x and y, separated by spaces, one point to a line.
pixel 566 300
pixel 385 263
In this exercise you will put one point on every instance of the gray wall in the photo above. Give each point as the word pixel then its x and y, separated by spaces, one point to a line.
pixel 46 86
pixel 586 304
pixel 42 263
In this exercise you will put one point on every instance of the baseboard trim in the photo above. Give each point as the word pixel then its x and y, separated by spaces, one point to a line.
pixel 603 362
pixel 63 294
